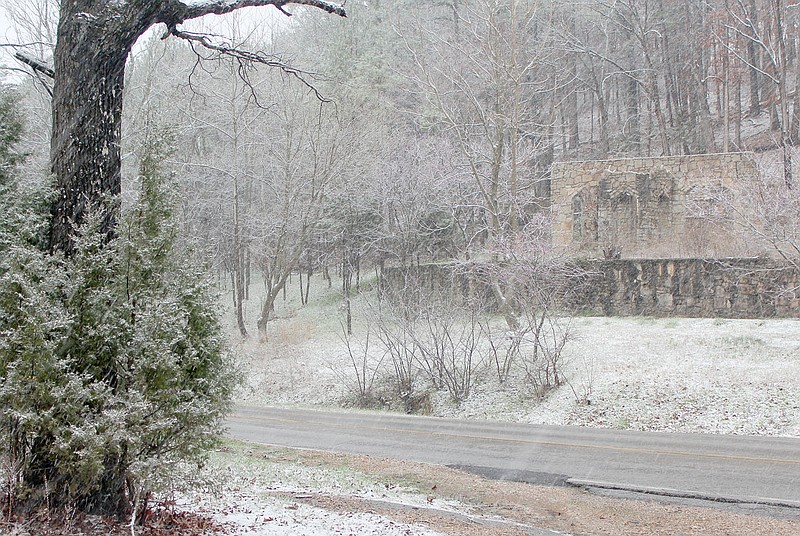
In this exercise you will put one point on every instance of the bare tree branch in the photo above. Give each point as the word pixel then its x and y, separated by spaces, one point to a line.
pixel 36 65
pixel 220 7
pixel 39 69
pixel 28 44
pixel 248 57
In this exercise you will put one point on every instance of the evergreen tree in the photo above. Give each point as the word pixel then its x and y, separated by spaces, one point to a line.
pixel 18 215
pixel 112 363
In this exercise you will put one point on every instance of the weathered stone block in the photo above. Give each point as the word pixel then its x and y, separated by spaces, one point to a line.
pixel 642 206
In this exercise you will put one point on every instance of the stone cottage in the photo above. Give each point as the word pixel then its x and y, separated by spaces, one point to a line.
pixel 650 207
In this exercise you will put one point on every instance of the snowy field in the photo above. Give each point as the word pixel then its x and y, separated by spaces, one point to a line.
pixel 666 374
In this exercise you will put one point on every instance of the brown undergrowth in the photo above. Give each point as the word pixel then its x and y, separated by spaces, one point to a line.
pixel 160 520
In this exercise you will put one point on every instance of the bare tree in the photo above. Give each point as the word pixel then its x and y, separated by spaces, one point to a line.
pixel 769 36
pixel 93 43
pixel 230 119
pixel 767 212
pixel 313 150
pixel 484 87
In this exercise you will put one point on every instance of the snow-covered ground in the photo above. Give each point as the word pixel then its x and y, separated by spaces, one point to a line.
pixel 266 491
pixel 254 511
pixel 667 374
pixel 678 375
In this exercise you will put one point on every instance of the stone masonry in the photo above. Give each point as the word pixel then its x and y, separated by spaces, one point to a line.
pixel 719 288
pixel 712 288
pixel 655 236
pixel 649 207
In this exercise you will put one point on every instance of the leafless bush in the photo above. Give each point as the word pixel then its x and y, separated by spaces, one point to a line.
pixel 503 349
pixel 393 319
pixel 582 389
pixel 533 282
pixel 399 345
pixel 364 370
pixel 542 356
pixel 435 322
pixel 534 348
pixel 433 332
pixel 448 342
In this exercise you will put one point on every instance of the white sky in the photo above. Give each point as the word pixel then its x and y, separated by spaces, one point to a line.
pixel 248 18
pixel 6 36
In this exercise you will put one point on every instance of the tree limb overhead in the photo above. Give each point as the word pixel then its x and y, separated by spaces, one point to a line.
pixel 191 9
pixel 36 65
pixel 248 56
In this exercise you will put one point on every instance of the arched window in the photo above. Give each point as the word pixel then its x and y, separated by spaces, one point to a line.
pixel 578 217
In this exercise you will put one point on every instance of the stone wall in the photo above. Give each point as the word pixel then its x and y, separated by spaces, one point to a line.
pixel 725 288
pixel 649 207
pixel 711 288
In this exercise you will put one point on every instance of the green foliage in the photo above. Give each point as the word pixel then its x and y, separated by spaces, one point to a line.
pixel 112 362
pixel 10 134
pixel 20 219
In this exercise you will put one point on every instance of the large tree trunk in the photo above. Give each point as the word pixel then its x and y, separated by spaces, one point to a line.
pixel 632 118
pixel 753 59
pixel 94 40
pixel 93 43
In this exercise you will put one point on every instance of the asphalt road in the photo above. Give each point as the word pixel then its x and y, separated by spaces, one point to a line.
pixel 726 469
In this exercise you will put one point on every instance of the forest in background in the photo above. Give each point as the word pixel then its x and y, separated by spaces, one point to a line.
pixel 271 147
pixel 396 136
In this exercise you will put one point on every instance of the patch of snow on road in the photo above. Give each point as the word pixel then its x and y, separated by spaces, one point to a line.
pixel 248 513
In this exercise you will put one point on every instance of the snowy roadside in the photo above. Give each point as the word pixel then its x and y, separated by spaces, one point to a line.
pixel 659 374
pixel 260 490
pixel 248 489
pixel 256 490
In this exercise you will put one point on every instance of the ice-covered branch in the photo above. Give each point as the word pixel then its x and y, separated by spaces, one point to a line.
pixel 197 8
pixel 247 56
pixel 37 65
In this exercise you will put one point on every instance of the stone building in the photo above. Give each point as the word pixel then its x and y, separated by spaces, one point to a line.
pixel 666 227
pixel 650 207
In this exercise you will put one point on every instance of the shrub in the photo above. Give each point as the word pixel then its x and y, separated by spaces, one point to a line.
pixel 112 364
